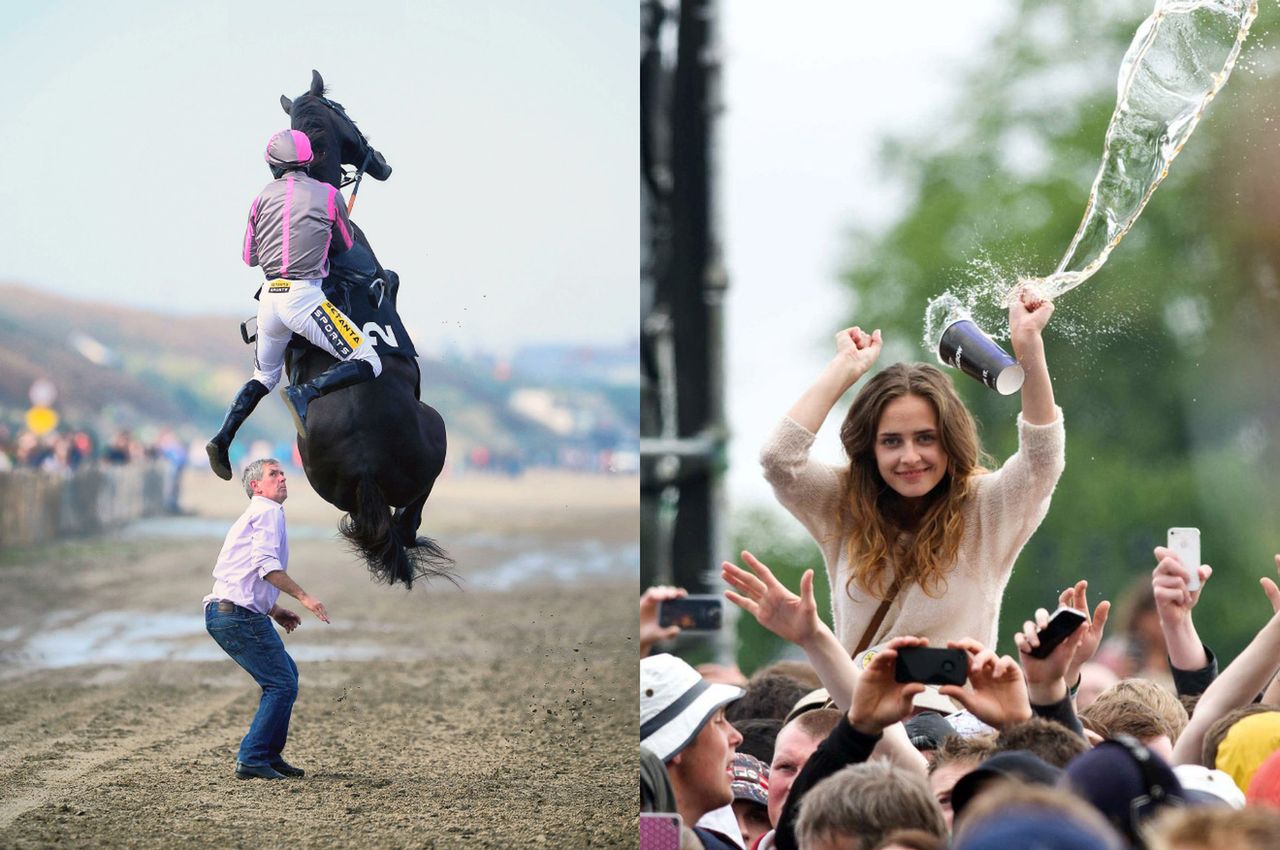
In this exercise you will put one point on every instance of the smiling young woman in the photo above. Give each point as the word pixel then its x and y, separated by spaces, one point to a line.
pixel 918 538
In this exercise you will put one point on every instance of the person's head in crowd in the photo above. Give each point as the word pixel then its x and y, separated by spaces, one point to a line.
pixel 1051 741
pixel 955 758
pixel 1218 730
pixel 1264 788
pixel 1247 745
pixel 911 839
pixel 795 743
pixel 656 794
pixel 770 693
pixel 1137 627
pixel 856 807
pixel 1009 767
pixel 815 699
pixel 801 671
pixel 927 730
pixel 1094 679
pixel 758 735
pixel 952 464
pixel 1189 703
pixel 750 796
pixel 1207 786
pixel 1013 816
pixel 1139 708
pixel 1200 828
pixel 1127 783
pixel 682 722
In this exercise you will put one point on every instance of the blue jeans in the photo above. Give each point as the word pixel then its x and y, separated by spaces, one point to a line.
pixel 252 641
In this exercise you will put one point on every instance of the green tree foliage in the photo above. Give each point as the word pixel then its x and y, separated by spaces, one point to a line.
pixel 1165 361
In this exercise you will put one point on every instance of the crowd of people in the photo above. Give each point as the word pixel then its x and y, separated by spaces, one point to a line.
pixel 1136 741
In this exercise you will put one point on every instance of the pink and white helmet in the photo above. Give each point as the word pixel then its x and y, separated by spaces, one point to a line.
pixel 289 149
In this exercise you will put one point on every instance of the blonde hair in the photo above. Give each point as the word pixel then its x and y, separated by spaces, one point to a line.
pixel 874 544
pixel 1138 707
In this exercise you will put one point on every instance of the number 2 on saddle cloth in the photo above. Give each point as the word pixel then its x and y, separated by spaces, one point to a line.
pixel 371 307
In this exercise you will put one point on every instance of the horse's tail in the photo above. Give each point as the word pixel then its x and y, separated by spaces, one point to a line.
pixel 369 530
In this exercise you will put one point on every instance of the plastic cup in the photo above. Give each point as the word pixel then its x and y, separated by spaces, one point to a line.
pixel 966 347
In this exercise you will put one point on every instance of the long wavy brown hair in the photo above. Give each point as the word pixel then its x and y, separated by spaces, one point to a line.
pixel 877 541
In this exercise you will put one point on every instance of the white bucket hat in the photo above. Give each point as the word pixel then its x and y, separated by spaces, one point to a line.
pixel 1216 783
pixel 675 703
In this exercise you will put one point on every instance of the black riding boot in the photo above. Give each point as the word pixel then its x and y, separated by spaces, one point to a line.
pixel 241 406
pixel 344 374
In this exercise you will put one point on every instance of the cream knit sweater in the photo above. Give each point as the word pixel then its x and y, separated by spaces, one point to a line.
pixel 1005 509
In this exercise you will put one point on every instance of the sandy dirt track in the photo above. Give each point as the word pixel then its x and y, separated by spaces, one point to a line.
pixel 494 716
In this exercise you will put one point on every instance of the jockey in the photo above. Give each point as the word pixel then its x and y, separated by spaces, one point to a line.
pixel 291 227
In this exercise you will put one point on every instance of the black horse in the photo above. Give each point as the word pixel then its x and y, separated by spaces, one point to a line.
pixel 374 445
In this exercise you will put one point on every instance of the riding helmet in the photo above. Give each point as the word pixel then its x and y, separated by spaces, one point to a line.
pixel 288 149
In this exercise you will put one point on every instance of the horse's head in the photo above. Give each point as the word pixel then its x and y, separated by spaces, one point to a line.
pixel 335 139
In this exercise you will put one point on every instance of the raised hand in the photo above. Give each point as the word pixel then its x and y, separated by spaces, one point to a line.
pixel 1269 587
pixel 650 631
pixel 1169 584
pixel 858 348
pixel 1077 597
pixel 1029 313
pixel 1173 606
pixel 995 693
pixel 1046 677
pixel 879 699
pixel 790 617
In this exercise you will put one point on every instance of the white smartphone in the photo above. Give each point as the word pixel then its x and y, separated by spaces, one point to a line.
pixel 1185 543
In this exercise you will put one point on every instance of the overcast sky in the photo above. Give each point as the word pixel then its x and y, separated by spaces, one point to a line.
pixel 133 136
pixel 809 94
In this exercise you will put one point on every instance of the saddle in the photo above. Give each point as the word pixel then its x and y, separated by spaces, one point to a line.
pixel 369 302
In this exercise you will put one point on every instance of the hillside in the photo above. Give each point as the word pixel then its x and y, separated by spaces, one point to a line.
pixel 118 367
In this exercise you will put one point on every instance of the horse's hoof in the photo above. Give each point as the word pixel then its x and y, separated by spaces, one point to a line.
pixel 218 461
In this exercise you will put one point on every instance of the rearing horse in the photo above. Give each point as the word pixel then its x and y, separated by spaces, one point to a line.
pixel 374 445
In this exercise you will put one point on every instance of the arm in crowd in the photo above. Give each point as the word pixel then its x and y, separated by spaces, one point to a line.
pixel 879 702
pixel 1191 662
pixel 1047 677
pixel 795 618
pixel 650 631
pixel 1239 684
pixel 1077 596
pixel 996 692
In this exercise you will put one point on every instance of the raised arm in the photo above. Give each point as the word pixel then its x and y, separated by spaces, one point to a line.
pixel 856 352
pixel 1028 315
pixel 1174 603
pixel 793 618
pixel 1244 679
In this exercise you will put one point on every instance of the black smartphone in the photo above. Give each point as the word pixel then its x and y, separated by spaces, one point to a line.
pixel 1061 626
pixel 932 666
pixel 692 613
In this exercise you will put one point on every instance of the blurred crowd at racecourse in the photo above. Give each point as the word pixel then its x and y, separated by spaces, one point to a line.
pixel 66 451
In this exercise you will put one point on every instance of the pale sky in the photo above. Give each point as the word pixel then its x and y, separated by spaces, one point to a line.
pixel 809 93
pixel 133 136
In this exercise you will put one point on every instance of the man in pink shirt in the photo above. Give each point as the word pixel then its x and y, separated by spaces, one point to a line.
pixel 247 580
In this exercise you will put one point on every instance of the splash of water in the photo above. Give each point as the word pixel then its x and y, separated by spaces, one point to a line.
pixel 1179 59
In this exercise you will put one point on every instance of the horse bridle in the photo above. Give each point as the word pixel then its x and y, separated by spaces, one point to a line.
pixel 349 177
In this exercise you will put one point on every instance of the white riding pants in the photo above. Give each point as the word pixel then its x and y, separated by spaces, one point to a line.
pixel 286 307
